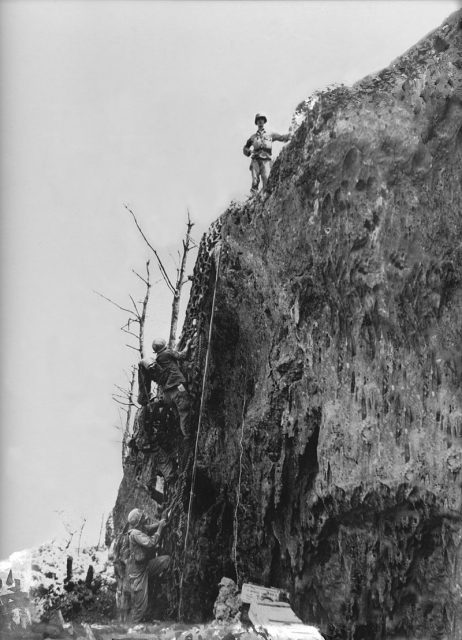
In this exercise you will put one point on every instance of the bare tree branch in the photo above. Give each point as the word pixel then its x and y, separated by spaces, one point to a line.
pixel 134 304
pixel 175 264
pixel 129 322
pixel 130 333
pixel 140 277
pixel 124 404
pixel 159 261
pixel 114 303
pixel 126 391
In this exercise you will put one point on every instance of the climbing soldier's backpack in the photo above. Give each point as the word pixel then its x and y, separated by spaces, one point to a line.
pixel 121 553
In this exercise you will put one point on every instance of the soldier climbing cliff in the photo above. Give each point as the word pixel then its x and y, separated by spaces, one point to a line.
pixel 163 369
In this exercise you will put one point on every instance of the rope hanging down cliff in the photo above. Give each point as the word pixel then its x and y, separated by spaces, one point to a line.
pixel 238 491
pixel 194 469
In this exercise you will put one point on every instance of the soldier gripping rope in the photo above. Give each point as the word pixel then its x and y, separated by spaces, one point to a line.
pixel 259 146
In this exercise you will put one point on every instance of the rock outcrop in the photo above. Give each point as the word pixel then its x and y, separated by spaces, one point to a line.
pixel 329 452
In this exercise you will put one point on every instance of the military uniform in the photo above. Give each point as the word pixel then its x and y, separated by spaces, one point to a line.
pixel 164 370
pixel 143 567
pixel 261 142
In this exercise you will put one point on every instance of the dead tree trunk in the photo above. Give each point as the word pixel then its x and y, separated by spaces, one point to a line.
pixel 144 307
pixel 84 520
pixel 128 418
pixel 177 288
pixel 137 315
pixel 179 283
pixel 100 531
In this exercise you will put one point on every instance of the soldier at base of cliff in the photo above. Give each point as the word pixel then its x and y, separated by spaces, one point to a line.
pixel 119 552
pixel 259 146
pixel 145 567
pixel 163 368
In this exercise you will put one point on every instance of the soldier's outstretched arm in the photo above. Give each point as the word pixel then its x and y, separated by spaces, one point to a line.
pixel 280 137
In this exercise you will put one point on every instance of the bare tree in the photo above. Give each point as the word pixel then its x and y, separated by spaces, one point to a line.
pixel 160 264
pixel 71 526
pixel 135 324
pixel 180 281
pixel 136 315
pixel 126 398
pixel 176 288
pixel 100 531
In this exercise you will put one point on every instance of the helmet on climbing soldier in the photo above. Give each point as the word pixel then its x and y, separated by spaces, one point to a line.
pixel 134 517
pixel 260 116
pixel 158 344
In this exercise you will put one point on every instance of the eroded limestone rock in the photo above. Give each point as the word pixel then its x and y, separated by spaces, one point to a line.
pixel 330 447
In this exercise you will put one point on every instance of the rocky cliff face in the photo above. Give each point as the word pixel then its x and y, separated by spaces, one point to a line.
pixel 329 453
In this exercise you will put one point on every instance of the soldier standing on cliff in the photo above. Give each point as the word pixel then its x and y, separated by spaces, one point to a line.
pixel 164 369
pixel 261 143
pixel 144 565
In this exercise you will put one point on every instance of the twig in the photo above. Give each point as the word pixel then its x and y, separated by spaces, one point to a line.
pixel 130 333
pixel 159 261
pixel 112 302
pixel 124 404
pixel 140 277
pixel 134 304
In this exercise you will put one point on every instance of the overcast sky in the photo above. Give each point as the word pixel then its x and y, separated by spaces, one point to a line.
pixel 148 103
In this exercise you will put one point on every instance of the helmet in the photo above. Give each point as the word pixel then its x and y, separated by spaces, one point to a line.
pixel 158 344
pixel 226 582
pixel 134 517
pixel 260 115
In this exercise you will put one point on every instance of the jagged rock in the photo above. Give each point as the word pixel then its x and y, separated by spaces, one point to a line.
pixel 228 603
pixel 57 619
pixel 329 456
pixel 88 632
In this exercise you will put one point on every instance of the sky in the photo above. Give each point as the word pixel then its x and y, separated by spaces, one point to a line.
pixel 146 103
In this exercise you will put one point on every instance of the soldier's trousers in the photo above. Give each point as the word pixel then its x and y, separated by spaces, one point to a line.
pixel 181 401
pixel 260 169
pixel 141 585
